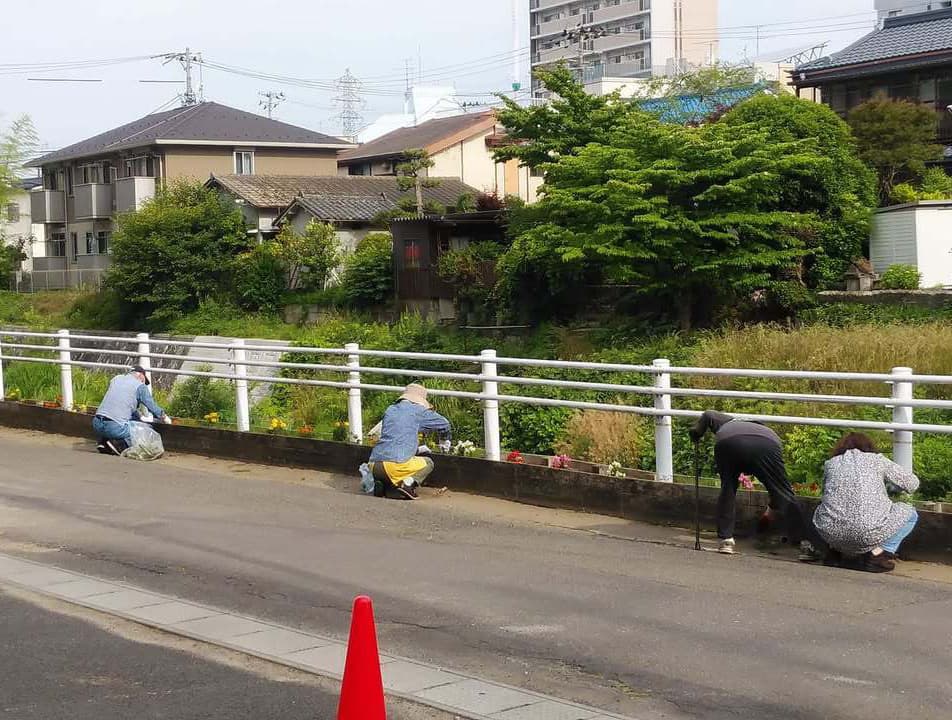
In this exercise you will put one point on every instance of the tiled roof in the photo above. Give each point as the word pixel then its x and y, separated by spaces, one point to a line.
pixel 899 37
pixel 684 109
pixel 427 136
pixel 277 191
pixel 29 183
pixel 205 122
pixel 349 208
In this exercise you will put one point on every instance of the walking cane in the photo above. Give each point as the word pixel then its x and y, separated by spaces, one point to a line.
pixel 697 495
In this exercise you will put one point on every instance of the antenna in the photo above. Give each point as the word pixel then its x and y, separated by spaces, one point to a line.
pixel 350 102
pixel 186 59
pixel 270 100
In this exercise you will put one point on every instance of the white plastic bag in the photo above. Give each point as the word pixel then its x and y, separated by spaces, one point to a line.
pixel 145 443
pixel 366 479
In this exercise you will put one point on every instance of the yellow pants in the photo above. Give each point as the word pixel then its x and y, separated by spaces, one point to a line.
pixel 413 471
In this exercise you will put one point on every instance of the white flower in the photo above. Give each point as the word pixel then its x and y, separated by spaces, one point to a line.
pixel 615 470
pixel 464 448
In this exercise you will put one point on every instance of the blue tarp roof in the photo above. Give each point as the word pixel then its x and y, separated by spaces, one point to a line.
pixel 687 109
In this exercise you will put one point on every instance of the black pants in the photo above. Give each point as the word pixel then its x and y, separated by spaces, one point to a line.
pixel 761 457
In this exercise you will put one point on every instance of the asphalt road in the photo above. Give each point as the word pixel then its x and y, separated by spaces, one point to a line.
pixel 58 662
pixel 530 597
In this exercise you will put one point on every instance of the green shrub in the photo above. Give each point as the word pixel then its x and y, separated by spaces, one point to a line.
pixel 368 273
pixel 850 314
pixel 903 194
pixel 806 449
pixel 532 429
pixel 933 465
pixel 260 279
pixel 196 397
pixel 901 277
pixel 99 311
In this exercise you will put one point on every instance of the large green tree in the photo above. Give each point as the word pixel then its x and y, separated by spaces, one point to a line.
pixel 842 193
pixel 896 138
pixel 682 214
pixel 412 175
pixel 540 134
pixel 704 80
pixel 178 249
pixel 309 258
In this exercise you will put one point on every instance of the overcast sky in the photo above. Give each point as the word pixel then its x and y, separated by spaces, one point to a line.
pixel 313 39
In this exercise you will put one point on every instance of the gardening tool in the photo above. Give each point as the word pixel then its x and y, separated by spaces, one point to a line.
pixel 697 495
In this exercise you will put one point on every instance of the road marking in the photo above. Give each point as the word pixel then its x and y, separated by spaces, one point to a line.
pixel 847 680
pixel 442 688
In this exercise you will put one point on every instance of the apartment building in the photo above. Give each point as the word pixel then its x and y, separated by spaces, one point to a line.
pixel 623 38
pixel 892 8
pixel 86 184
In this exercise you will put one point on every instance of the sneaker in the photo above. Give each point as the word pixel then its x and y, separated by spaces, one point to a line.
pixel 102 449
pixel 114 447
pixel 808 553
pixel 726 547
pixel 877 563
pixel 404 493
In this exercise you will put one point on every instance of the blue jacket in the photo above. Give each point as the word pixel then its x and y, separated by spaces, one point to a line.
pixel 402 424
pixel 123 398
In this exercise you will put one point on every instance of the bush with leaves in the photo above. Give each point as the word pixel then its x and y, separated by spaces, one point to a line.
pixel 179 248
pixel 260 279
pixel 470 272
pixel 368 272
pixel 901 277
pixel 935 185
pixel 11 258
pixel 311 258
pixel 198 396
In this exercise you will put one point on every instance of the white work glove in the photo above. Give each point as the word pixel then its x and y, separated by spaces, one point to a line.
pixel 146 417
pixel 167 419
pixel 445 446
pixel 423 450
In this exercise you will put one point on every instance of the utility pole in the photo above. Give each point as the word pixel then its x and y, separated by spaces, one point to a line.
pixel 270 100
pixel 186 59
pixel 350 102
pixel 580 35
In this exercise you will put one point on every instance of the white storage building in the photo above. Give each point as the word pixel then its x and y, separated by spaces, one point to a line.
pixel 917 234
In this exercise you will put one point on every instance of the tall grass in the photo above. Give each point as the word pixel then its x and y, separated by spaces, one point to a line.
pixel 41 382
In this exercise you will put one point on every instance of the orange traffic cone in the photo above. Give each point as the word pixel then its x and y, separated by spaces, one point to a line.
pixel 361 695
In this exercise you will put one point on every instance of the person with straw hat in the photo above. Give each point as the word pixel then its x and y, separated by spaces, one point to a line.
pixel 394 461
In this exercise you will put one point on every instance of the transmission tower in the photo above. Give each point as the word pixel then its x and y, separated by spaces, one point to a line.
pixel 350 102
pixel 270 100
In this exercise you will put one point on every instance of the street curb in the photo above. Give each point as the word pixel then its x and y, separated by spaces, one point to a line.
pixel 51 581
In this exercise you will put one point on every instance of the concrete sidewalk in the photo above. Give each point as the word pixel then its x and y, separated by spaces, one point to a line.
pixel 462 695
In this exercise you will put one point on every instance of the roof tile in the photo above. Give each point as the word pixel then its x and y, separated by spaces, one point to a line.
pixel 422 136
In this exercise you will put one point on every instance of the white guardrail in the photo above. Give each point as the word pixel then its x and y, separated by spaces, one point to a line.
pixel 142 352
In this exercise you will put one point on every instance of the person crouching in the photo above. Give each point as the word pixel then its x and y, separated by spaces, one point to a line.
pixel 119 407
pixel 394 461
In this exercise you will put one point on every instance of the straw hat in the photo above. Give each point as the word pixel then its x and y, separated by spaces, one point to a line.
pixel 416 394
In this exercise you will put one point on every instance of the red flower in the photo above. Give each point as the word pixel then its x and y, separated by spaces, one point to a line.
pixel 515 457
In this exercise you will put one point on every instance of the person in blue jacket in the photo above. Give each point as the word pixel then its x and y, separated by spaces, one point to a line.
pixel 120 406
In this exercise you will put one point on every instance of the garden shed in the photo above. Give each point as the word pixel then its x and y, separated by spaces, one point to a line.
pixel 918 234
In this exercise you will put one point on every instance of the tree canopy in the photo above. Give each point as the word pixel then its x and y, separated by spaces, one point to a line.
pixel 17 143
pixel 896 138
pixel 178 249
pixel 678 214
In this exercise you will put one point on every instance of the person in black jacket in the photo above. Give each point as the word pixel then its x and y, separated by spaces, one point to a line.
pixel 748 448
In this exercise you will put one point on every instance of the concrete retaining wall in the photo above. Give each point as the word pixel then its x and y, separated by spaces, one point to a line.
pixel 634 499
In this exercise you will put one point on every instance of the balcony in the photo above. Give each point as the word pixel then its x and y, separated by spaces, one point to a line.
pixel 132 192
pixel 93 201
pixel 48 206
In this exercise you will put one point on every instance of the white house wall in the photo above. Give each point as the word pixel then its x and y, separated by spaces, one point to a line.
pixel 934 245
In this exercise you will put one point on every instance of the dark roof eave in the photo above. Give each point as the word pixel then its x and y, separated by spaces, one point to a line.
pixel 818 76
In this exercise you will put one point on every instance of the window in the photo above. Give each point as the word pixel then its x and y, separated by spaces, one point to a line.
pixel 102 242
pixel 88 174
pixel 244 162
pixel 90 247
pixel 142 166
pixel 74 244
pixel 56 246
pixel 13 213
pixel 411 254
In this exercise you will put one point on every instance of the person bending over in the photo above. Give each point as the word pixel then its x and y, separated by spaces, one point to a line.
pixel 120 406
pixel 748 448
pixel 856 516
pixel 394 461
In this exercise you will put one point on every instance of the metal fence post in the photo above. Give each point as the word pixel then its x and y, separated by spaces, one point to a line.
pixel 664 453
pixel 3 391
pixel 66 371
pixel 490 406
pixel 242 412
pixel 145 349
pixel 902 439
pixel 355 414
